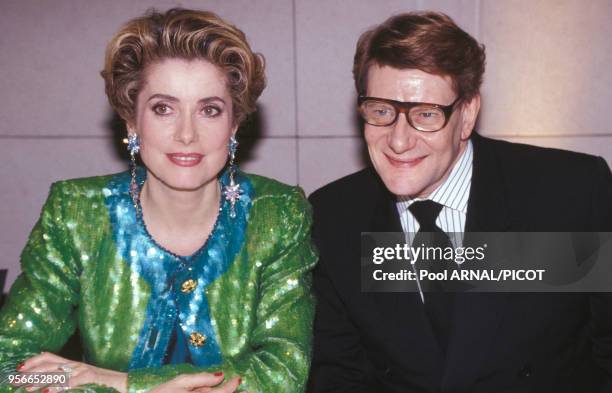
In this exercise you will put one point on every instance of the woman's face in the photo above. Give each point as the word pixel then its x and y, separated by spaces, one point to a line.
pixel 184 119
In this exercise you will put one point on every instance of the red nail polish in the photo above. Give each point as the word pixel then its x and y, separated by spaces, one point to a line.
pixel 218 373
pixel 20 366
pixel 239 381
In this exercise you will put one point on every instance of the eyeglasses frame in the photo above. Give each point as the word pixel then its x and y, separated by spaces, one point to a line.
pixel 405 107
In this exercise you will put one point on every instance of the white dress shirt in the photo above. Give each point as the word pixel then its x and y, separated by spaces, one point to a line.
pixel 453 195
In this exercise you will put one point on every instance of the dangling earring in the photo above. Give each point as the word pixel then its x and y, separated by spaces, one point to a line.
pixel 133 147
pixel 232 191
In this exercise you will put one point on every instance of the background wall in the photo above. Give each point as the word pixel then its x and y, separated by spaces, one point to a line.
pixel 547 83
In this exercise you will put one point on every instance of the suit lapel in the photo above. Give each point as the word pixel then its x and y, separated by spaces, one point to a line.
pixel 476 316
pixel 403 307
pixel 385 215
pixel 487 209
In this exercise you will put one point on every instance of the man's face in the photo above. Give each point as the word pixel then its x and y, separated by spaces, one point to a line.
pixel 411 162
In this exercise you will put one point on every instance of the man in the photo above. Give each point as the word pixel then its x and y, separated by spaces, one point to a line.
pixel 418 77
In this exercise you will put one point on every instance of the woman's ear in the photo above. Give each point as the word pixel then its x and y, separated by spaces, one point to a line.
pixel 131 129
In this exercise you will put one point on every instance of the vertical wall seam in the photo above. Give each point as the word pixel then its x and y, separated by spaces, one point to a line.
pixel 295 93
pixel 478 22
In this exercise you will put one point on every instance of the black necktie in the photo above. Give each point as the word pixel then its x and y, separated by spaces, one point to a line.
pixel 438 303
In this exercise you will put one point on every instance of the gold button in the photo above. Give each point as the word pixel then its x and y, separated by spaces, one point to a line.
pixel 197 339
pixel 189 285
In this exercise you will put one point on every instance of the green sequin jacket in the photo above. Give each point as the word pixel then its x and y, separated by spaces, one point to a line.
pixel 243 301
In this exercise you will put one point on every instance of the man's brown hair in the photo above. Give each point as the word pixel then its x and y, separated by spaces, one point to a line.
pixel 427 41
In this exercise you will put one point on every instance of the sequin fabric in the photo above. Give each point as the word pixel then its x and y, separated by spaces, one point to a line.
pixel 90 264
pixel 165 272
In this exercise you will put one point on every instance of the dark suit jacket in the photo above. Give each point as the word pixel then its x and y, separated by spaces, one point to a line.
pixel 383 342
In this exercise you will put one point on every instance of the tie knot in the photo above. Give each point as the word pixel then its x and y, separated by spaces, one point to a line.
pixel 426 212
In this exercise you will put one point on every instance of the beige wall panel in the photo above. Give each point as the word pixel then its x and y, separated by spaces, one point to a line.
pixel 599 146
pixel 50 64
pixel 465 12
pixel 327 32
pixel 271 157
pixel 53 52
pixel 34 165
pixel 548 67
pixel 323 160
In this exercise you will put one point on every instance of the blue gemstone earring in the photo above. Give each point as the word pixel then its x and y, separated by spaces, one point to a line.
pixel 232 192
pixel 133 147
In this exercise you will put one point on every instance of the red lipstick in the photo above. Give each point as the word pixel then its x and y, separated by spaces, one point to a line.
pixel 185 159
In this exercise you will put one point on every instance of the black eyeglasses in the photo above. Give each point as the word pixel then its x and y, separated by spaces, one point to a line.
pixel 422 116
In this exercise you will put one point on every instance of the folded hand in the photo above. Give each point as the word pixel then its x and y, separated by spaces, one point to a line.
pixel 199 382
pixel 79 373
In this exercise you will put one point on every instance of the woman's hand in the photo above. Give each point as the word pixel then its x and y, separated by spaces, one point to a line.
pixel 199 382
pixel 79 373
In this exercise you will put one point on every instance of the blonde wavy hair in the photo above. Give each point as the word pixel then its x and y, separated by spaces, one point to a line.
pixel 185 34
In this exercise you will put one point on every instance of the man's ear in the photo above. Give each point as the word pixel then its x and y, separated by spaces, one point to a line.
pixel 470 111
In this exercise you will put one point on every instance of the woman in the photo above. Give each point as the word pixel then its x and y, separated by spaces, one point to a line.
pixel 181 266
